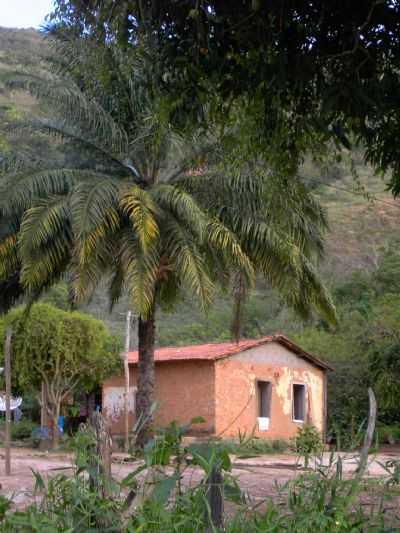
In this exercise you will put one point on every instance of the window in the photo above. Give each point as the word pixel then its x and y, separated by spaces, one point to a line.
pixel 299 402
pixel 264 399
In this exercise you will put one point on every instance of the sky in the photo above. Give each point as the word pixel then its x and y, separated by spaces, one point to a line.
pixel 24 13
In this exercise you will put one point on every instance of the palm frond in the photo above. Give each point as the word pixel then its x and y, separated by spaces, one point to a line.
pixel 41 222
pixel 116 284
pixel 224 241
pixel 18 191
pixel 44 240
pixel 9 261
pixel 94 211
pixel 272 253
pixel 89 269
pixel 81 138
pixel 140 270
pixel 313 295
pixel 189 263
pixel 69 102
pixel 141 209
pixel 183 207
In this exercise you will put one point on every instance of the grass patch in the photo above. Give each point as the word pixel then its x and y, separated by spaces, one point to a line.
pixel 252 446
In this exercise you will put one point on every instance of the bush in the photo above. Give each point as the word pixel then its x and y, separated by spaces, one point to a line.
pixel 388 434
pixel 280 445
pixel 246 445
pixel 308 442
pixel 22 430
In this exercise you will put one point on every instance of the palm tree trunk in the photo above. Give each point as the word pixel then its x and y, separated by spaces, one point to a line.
pixel 146 378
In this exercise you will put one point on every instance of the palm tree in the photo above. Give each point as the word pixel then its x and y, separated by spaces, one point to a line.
pixel 147 208
pixel 10 287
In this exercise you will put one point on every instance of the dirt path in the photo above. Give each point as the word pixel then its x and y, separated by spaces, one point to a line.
pixel 257 476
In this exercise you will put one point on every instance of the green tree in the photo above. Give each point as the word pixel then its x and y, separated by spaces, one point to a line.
pixel 365 347
pixel 10 286
pixel 308 74
pixel 149 208
pixel 67 351
pixel 348 383
pixel 386 279
pixel 383 344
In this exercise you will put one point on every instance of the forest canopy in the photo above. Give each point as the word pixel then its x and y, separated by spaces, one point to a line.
pixel 308 73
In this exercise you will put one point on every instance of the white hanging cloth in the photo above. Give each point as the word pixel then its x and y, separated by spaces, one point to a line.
pixel 14 402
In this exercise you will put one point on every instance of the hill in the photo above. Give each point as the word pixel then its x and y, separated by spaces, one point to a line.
pixel 362 216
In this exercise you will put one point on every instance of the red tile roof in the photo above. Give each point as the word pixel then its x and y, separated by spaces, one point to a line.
pixel 215 351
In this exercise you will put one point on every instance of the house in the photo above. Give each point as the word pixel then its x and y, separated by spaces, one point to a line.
pixel 267 385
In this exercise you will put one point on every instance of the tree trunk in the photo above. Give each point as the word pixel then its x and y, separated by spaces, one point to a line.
pixel 56 433
pixel 126 374
pixel 146 378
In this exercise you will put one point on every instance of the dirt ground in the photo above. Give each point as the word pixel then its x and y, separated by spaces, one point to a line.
pixel 257 476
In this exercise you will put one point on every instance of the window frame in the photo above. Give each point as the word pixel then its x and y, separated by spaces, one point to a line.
pixel 269 392
pixel 297 420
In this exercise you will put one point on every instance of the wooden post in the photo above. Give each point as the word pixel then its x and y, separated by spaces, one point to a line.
pixel 215 499
pixel 43 403
pixel 325 408
pixel 362 465
pixel 103 450
pixel 126 372
pixel 7 370
pixel 369 435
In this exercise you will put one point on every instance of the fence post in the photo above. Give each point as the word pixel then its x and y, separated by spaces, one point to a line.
pixel 103 448
pixel 215 499
pixel 369 434
pixel 7 371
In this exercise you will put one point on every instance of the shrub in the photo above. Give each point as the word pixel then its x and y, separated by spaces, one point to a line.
pixel 23 429
pixel 280 445
pixel 388 434
pixel 249 445
pixel 308 442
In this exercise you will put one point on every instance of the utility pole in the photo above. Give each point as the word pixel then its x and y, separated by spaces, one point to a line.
pixel 7 371
pixel 126 372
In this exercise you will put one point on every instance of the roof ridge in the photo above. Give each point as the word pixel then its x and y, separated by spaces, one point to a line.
pixel 220 350
pixel 253 339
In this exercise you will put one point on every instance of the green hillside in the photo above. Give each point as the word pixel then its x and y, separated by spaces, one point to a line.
pixel 362 216
pixel 19 49
pixel 362 219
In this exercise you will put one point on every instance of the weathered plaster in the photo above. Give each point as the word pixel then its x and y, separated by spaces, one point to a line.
pixel 283 382
pixel 275 355
pixel 236 398
pixel 114 402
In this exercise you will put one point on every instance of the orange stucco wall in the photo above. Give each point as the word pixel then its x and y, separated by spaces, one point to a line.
pixel 183 390
pixel 224 393
pixel 236 392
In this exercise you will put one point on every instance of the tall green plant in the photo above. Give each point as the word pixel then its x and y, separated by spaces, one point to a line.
pixel 150 208
pixel 64 351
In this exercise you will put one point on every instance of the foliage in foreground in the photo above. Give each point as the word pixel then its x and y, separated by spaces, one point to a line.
pixel 154 497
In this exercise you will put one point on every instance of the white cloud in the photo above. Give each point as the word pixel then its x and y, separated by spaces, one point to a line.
pixel 24 13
